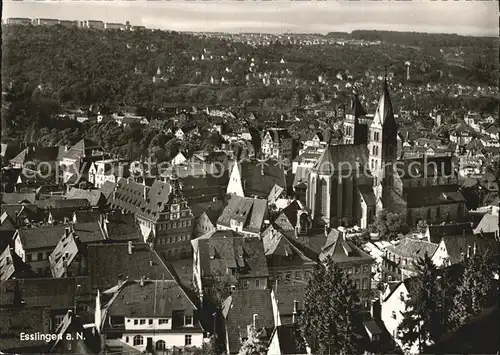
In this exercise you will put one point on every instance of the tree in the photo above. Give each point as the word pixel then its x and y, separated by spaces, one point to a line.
pixel 253 345
pixel 389 224
pixel 422 318
pixel 330 321
pixel 476 291
pixel 212 347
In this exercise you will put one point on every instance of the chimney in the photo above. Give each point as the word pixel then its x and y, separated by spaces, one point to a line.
pixel 142 281
pixel 294 314
pixel 469 251
pixel 150 262
pixel 145 196
pixel 255 316
pixel 462 256
pixel 474 249
pixel 130 247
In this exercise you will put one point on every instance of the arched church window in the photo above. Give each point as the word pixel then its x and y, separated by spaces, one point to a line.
pixel 324 196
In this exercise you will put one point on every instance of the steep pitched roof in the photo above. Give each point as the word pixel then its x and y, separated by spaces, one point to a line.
pixel 413 248
pixel 220 250
pixel 488 224
pixel 457 246
pixel 432 196
pixel 49 236
pixel 94 197
pixel 16 197
pixel 249 211
pixel 109 262
pixel 438 231
pixel 259 179
pixel 286 294
pixel 154 298
pixel 335 155
pixel 240 308
pixel 425 167
pixel 56 293
pixel 342 250
pixel 288 337
pixel 63 254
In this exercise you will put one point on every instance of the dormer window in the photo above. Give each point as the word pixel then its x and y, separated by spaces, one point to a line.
pixel 188 321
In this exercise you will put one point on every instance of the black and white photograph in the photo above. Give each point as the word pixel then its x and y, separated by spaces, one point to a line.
pixel 268 177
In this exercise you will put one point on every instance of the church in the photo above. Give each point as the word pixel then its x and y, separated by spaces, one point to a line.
pixel 350 183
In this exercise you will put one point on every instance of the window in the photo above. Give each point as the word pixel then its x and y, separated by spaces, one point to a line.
pixel 150 322
pixel 162 321
pixel 257 283
pixel 393 315
pixel 188 320
pixel 142 322
pixel 288 276
pixel 28 258
pixel 349 270
pixel 358 282
pixel 187 339
pixel 358 269
pixel 298 275
pixel 39 256
pixel 126 339
pixel 307 274
pixel 365 284
pixel 160 345
pixel 365 269
pixel 136 321
pixel 138 340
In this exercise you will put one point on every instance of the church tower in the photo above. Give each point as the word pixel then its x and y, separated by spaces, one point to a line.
pixel 382 146
pixel 354 131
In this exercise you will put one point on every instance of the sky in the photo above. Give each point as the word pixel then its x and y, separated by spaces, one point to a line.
pixel 474 18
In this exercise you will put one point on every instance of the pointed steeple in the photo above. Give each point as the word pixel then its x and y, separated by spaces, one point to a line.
pixel 356 108
pixel 384 113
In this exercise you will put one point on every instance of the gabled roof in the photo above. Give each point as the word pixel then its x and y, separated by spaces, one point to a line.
pixel 278 134
pixel 286 294
pixel 121 227
pixel 367 194
pixel 17 197
pixel 64 253
pixel 425 167
pixel 259 179
pixel 56 293
pixel 222 250
pixel 239 311
pixel 49 236
pixel 12 266
pixel 57 203
pixel 95 197
pixel 433 196
pixel 413 248
pixel 289 339
pixel 109 262
pixel 249 211
pixel 154 298
pixel 438 231
pixel 332 158
pixel 342 250
pixel 457 246
pixel 488 224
